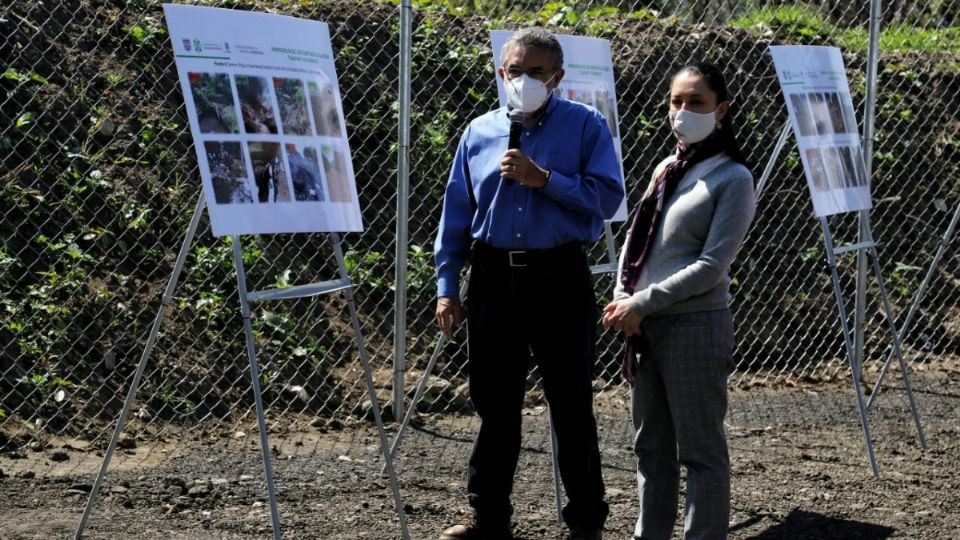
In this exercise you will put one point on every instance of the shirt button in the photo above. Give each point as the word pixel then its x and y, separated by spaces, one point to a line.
pixel 539 123
pixel 519 209
pixel 528 134
pixel 519 235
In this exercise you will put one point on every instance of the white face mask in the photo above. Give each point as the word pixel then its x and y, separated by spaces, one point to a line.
pixel 526 93
pixel 691 127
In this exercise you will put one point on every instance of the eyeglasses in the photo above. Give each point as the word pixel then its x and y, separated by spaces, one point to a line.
pixel 536 73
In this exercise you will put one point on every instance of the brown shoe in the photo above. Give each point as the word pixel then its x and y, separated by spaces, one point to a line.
pixel 470 528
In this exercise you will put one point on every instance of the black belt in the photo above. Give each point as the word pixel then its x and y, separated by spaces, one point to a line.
pixel 521 258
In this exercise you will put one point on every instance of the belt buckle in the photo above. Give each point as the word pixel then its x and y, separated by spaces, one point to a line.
pixel 520 263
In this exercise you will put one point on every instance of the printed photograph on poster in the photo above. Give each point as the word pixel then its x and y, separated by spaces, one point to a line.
pixel 588 79
pixel 822 119
pixel 256 105
pixel 304 173
pixel 269 174
pixel 228 170
pixel 294 118
pixel 213 101
pixel 804 114
pixel 832 168
pixel 335 169
pixel 849 116
pixel 576 92
pixel 816 170
pixel 595 94
pixel 850 176
pixel 323 102
pixel 605 102
pixel 263 104
pixel 823 113
pixel 853 163
pixel 836 113
pixel 818 100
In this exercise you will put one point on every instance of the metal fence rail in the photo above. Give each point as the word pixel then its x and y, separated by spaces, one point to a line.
pixel 99 180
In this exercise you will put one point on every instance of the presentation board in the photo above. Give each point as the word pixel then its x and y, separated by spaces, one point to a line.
pixel 817 94
pixel 265 112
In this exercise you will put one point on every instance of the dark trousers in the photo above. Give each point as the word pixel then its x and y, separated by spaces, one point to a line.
pixel 541 302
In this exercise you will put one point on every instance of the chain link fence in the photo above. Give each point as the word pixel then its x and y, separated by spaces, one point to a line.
pixel 100 180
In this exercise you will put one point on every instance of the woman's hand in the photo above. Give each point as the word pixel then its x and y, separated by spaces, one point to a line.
pixel 620 316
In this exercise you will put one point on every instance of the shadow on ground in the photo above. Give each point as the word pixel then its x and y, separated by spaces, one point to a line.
pixel 800 524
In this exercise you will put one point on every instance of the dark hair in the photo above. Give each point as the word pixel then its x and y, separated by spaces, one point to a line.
pixel 538 38
pixel 716 82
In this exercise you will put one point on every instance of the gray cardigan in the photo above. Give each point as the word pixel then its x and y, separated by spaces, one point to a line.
pixel 701 229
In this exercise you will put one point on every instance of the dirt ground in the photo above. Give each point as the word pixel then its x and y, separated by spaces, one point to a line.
pixel 800 470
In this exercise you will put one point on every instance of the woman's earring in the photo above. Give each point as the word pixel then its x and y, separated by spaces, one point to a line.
pixel 719 125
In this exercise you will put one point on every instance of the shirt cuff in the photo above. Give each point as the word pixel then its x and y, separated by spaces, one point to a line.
pixel 447 286
pixel 558 185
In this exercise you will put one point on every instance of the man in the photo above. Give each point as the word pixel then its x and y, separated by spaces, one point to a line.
pixel 265 158
pixel 528 213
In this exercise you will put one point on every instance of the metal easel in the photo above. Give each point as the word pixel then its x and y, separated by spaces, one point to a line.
pixel 867 247
pixel 246 297
pixel 921 291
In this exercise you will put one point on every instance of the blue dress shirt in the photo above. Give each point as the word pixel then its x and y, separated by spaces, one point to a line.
pixel 570 140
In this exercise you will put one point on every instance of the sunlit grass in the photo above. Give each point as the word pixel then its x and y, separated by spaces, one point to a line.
pixel 808 25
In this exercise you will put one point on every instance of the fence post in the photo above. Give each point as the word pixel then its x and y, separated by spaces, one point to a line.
pixel 403 190
pixel 873 57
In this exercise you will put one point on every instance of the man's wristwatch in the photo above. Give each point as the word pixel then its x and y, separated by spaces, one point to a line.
pixel 546 179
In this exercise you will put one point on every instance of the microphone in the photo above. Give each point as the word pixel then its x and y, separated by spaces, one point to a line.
pixel 516 127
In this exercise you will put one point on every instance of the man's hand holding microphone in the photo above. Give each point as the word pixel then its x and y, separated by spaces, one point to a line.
pixel 515 165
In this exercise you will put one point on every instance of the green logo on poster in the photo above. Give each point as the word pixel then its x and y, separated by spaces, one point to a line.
pixel 197 46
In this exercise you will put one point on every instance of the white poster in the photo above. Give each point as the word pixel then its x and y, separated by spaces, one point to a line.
pixel 263 101
pixel 815 87
pixel 588 79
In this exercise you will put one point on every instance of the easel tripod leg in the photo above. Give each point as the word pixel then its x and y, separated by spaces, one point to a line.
pixel 255 383
pixel 147 351
pixel 371 389
pixel 855 368
pixel 417 395
pixel 897 348
pixel 422 385
pixel 921 292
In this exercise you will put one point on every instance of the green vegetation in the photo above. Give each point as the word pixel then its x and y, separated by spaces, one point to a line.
pixel 806 24
pixel 905 280
pixel 420 272
pixel 177 403
pixel 148 33
pixel 365 269
pixel 21 77
pixel 592 21
pixel 100 179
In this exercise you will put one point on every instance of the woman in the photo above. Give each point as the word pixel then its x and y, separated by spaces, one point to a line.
pixel 672 304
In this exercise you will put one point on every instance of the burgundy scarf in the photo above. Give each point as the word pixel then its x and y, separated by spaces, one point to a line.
pixel 645 223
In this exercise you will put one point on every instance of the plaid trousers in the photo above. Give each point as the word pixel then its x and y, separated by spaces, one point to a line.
pixel 678 404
